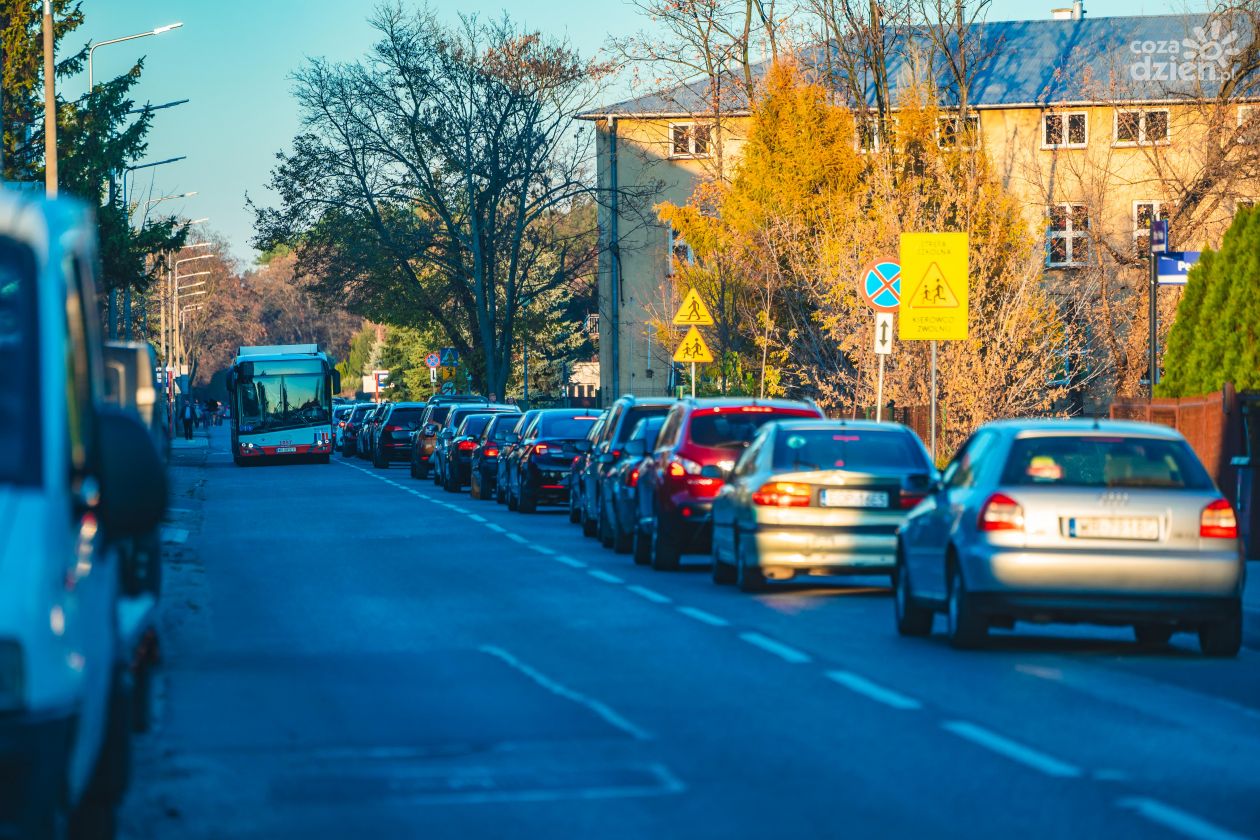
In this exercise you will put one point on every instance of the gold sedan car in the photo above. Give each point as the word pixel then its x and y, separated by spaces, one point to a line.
pixel 817 497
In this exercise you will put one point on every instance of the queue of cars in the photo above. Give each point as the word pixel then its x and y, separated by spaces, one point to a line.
pixel 1037 521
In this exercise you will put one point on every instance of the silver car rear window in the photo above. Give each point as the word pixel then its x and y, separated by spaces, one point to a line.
pixel 1100 461
pixel 828 449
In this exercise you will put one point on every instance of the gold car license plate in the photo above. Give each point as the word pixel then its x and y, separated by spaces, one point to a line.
pixel 1114 528
pixel 853 499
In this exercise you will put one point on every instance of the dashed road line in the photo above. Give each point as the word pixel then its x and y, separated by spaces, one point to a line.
pixel 496 527
pixel 517 538
pixel 542 549
pixel 704 617
pixel 1013 750
pixel 1174 819
pixel 599 574
pixel 569 561
pixel 769 645
pixel 601 709
pixel 875 692
pixel 651 594
pixel 476 517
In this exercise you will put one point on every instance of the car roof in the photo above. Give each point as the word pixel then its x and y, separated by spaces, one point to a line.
pixel 1033 427
pixel 852 425
pixel 724 402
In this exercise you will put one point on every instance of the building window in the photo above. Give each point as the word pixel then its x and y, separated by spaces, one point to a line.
pixel 1248 124
pixel 591 325
pixel 688 140
pixel 1064 131
pixel 1141 127
pixel 868 134
pixel 1067 241
pixel 947 132
pixel 1144 212
pixel 679 251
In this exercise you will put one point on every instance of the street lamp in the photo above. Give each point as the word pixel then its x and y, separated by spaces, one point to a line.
pixel 153 201
pixel 113 293
pixel 92 49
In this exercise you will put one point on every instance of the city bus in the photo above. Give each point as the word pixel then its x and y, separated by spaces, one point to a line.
pixel 281 402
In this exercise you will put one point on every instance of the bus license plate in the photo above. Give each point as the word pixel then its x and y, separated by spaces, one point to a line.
pixel 280 450
pixel 853 499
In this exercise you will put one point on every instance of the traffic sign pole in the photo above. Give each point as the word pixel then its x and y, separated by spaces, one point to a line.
pixel 693 380
pixel 879 393
pixel 933 432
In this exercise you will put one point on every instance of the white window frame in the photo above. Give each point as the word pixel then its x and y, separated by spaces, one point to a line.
pixel 876 135
pixel 971 117
pixel 1157 213
pixel 1244 114
pixel 1066 116
pixel 1141 141
pixel 674 240
pixel 690 128
pixel 1070 235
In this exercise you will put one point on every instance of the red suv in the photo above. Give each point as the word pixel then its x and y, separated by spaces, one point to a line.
pixel 698 444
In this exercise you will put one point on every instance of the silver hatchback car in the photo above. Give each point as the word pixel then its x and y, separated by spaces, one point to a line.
pixel 1073 521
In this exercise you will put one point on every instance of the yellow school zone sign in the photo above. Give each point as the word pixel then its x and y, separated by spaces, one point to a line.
pixel 933 287
pixel 693 349
pixel 693 312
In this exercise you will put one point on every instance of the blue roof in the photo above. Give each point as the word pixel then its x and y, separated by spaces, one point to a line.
pixel 1152 58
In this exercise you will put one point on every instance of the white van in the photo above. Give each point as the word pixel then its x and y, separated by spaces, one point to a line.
pixel 76 478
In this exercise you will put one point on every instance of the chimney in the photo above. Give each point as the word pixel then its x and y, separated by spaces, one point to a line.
pixel 1076 12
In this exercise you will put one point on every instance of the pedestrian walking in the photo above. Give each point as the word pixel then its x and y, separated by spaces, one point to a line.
pixel 189 417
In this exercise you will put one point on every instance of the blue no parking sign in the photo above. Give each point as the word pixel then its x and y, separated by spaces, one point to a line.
pixel 881 285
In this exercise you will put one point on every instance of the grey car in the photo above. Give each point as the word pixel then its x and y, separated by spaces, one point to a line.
pixel 817 497
pixel 1073 521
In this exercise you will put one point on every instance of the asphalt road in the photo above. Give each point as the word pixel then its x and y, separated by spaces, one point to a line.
pixel 349 652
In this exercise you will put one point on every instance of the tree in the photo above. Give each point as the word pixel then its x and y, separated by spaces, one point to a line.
pixel 1215 338
pixel 435 181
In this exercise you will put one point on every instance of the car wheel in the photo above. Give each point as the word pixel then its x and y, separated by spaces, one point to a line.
pixel 1222 638
pixel 1152 635
pixel 575 512
pixel 378 460
pixel 748 578
pixel 912 619
pixel 642 547
pixel 967 628
pixel 604 529
pixel 500 490
pixel 623 540
pixel 590 528
pixel 511 497
pixel 665 554
pixel 448 483
pixel 723 573
pixel 474 484
pixel 526 502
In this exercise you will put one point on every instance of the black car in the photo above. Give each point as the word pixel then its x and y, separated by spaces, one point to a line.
pixel 539 468
pixel 619 515
pixel 505 454
pixel 586 451
pixel 445 438
pixel 425 439
pixel 484 462
pixel 393 437
pixel 367 430
pixel 350 432
pixel 624 414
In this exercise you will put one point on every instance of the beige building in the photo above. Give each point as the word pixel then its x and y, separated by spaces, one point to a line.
pixel 1095 124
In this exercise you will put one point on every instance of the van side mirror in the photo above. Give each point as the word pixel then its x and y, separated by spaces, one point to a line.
pixel 133 482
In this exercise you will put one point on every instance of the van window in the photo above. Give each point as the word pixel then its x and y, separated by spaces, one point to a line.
pixel 20 412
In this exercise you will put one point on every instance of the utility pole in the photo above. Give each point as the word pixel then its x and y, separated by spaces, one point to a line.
pixel 50 106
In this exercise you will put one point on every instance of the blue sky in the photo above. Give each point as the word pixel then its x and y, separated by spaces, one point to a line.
pixel 232 60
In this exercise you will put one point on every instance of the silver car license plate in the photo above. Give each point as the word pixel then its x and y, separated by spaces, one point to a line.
pixel 853 499
pixel 1114 528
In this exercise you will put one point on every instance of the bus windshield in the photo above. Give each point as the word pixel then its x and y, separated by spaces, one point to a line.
pixel 287 401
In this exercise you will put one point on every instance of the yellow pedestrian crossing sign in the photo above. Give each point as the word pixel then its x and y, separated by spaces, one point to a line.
pixel 693 349
pixel 693 313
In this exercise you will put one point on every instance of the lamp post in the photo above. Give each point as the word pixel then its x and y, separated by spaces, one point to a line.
pixel 112 308
pixel 127 320
pixel 50 106
pixel 92 49
pixel 177 339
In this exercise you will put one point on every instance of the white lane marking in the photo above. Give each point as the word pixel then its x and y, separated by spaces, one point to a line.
pixel 541 549
pixel 604 576
pixel 1013 750
pixel 651 594
pixel 769 645
pixel 476 517
pixel 704 617
pixel 499 528
pixel 174 535
pixel 1174 819
pixel 517 538
pixel 569 561
pixel 878 693
pixel 601 709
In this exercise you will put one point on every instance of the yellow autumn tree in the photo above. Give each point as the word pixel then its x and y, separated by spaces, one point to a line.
pixel 806 210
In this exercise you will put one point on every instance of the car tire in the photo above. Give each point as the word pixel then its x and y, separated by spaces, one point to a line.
pixel 511 498
pixel 500 491
pixel 1153 635
pixel 604 529
pixel 967 628
pixel 575 512
pixel 379 462
pixel 323 459
pixel 623 541
pixel 665 553
pixel 590 528
pixel 747 579
pixel 526 502
pixel 1222 638
pixel 912 619
pixel 723 572
pixel 642 547
pixel 422 471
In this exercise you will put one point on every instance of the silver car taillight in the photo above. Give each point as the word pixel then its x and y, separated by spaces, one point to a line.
pixel 1001 513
